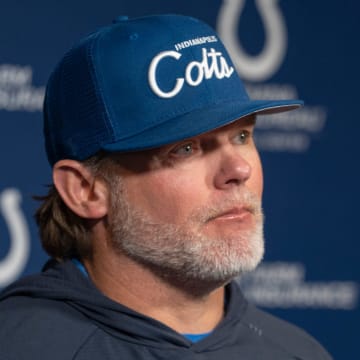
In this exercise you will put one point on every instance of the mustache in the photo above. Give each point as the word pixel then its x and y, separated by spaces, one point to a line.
pixel 243 199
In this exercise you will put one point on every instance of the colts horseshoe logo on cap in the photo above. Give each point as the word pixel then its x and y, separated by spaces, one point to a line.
pixel 262 66
pixel 14 262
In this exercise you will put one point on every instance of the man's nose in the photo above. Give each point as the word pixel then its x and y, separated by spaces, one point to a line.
pixel 233 169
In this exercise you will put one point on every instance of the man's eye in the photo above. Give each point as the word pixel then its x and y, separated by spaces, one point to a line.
pixel 243 137
pixel 183 150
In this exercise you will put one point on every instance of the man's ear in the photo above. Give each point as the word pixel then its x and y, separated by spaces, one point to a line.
pixel 84 194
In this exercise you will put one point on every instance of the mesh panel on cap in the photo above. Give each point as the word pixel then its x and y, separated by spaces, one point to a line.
pixel 75 106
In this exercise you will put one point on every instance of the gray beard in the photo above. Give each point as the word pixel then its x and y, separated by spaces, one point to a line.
pixel 181 254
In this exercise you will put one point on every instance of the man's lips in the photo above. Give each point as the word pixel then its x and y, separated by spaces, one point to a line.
pixel 235 213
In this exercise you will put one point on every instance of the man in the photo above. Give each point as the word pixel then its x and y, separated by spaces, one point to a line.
pixel 155 208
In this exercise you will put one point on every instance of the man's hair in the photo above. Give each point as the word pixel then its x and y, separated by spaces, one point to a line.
pixel 63 233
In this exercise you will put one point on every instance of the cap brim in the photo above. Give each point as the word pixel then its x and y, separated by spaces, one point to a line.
pixel 198 122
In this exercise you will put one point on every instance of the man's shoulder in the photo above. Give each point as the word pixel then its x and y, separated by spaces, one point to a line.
pixel 280 333
pixel 44 328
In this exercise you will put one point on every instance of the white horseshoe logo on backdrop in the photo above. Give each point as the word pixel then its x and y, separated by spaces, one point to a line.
pixel 265 64
pixel 14 262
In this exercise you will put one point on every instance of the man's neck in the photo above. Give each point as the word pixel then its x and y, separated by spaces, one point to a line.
pixel 134 286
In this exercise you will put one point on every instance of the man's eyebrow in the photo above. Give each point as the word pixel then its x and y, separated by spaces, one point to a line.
pixel 251 120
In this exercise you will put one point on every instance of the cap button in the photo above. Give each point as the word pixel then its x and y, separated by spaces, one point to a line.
pixel 120 18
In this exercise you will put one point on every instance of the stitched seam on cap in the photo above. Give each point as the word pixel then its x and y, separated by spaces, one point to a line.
pixel 97 86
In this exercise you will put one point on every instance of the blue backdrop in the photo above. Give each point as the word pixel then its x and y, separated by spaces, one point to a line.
pixel 283 49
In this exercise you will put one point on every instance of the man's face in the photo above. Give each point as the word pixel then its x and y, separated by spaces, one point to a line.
pixel 191 211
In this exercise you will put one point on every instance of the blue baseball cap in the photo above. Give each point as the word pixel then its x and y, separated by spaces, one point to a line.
pixel 143 83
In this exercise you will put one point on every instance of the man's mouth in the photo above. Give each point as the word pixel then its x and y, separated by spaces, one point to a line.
pixel 242 214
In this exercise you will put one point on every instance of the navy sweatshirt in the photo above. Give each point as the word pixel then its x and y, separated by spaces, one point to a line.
pixel 60 315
